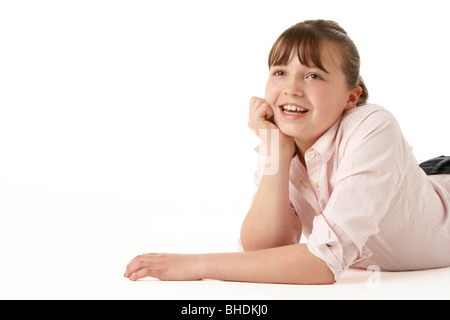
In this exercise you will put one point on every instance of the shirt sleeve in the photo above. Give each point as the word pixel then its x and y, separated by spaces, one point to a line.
pixel 371 169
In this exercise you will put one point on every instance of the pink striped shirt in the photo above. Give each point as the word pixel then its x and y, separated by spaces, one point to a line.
pixel 363 200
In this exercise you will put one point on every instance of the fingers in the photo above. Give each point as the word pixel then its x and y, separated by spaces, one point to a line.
pixel 255 102
pixel 142 273
pixel 141 266
pixel 164 266
pixel 258 107
pixel 260 115
pixel 265 111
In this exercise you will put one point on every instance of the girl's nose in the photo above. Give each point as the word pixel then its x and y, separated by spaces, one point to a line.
pixel 293 89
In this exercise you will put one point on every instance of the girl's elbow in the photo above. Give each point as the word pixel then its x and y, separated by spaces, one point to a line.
pixel 328 278
pixel 325 275
pixel 252 240
pixel 318 278
pixel 250 244
pixel 260 243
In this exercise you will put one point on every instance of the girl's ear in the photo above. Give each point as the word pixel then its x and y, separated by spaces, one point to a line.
pixel 353 97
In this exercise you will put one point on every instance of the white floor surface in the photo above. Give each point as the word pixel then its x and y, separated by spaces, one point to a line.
pixel 62 244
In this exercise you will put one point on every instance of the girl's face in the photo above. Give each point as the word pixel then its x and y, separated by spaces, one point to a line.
pixel 318 98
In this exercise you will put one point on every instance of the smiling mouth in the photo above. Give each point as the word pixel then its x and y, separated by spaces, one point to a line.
pixel 293 110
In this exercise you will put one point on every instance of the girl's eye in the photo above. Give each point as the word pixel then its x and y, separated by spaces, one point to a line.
pixel 314 76
pixel 279 73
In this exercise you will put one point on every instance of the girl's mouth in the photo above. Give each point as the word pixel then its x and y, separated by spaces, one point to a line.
pixel 292 112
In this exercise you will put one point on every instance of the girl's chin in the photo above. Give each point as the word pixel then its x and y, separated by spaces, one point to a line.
pixel 288 130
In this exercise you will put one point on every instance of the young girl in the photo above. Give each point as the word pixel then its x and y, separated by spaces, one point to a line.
pixel 345 177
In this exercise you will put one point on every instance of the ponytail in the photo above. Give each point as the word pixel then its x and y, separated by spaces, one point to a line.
pixel 365 93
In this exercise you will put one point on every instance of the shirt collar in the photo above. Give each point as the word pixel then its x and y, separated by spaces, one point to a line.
pixel 324 145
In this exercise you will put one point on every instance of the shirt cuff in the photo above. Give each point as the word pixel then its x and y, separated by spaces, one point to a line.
pixel 329 243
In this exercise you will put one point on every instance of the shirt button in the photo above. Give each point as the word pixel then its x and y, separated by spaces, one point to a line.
pixel 311 155
pixel 314 184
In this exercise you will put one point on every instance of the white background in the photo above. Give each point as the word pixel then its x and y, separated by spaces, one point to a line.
pixel 123 124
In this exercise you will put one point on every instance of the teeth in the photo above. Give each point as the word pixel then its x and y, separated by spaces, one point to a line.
pixel 293 113
pixel 293 108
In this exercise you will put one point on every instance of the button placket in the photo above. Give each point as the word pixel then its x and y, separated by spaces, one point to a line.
pixel 313 160
pixel 311 154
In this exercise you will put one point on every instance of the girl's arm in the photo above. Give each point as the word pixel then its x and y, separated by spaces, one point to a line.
pixel 292 264
pixel 269 221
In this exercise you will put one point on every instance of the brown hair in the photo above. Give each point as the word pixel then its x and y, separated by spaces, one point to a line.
pixel 307 37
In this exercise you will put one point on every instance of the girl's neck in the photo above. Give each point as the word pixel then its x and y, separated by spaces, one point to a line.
pixel 300 153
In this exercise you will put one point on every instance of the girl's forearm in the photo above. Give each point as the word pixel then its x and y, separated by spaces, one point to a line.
pixel 269 221
pixel 292 264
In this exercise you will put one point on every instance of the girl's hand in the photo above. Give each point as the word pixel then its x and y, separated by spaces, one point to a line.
pixel 164 267
pixel 261 117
